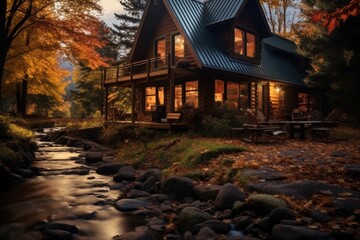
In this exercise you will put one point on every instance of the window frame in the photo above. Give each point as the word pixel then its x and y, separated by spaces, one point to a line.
pixel 159 62
pixel 240 89
pixel 157 100
pixel 173 56
pixel 245 44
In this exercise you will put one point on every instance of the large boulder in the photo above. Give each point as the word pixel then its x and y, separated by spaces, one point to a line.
pixel 288 232
pixel 191 216
pixel 264 203
pixel 126 173
pixel 227 196
pixel 206 192
pixel 108 168
pixel 178 188
pixel 125 205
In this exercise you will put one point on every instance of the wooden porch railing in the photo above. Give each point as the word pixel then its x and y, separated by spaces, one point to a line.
pixel 144 67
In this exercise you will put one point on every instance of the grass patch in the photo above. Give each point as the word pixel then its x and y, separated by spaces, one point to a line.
pixel 176 151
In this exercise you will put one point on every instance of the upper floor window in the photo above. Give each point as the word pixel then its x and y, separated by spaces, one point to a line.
pixel 160 51
pixel 244 43
pixel 178 47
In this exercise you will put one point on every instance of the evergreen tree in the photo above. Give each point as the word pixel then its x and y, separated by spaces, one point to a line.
pixel 128 23
pixel 334 58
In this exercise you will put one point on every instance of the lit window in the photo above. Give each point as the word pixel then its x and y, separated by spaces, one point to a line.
pixel 160 51
pixel 178 97
pixel 178 50
pixel 232 96
pixel 219 91
pixel 192 94
pixel 154 96
pixel 150 98
pixel 244 43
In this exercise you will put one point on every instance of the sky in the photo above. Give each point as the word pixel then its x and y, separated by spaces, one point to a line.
pixel 109 8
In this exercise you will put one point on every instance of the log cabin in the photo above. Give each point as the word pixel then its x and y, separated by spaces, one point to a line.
pixel 210 53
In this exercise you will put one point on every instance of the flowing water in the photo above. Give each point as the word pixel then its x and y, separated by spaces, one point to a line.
pixel 81 200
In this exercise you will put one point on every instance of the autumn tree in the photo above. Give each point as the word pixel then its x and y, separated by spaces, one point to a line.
pixel 70 27
pixel 281 15
pixel 334 58
pixel 128 23
pixel 87 97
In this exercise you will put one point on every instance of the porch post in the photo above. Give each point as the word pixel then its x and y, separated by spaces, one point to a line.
pixel 106 102
pixel 132 96
pixel 172 86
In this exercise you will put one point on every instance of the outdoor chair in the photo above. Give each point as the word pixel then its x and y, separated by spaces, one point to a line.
pixel 327 126
pixel 255 128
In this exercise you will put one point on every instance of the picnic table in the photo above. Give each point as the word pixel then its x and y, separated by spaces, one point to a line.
pixel 299 125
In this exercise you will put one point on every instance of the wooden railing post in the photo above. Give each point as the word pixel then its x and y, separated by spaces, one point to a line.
pixel 148 69
pixel 172 86
pixel 106 102
pixel 133 99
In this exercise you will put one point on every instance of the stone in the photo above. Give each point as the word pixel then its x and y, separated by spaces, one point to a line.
pixel 206 233
pixel 227 196
pixel 137 194
pixel 338 154
pixel 287 232
pixel 188 236
pixel 300 189
pixel 93 157
pixel 157 224
pixel 264 203
pixel 108 168
pixel 150 185
pixel 136 235
pixel 126 173
pixel 190 216
pixel 353 170
pixel 178 188
pixel 58 235
pixel 130 204
pixel 26 173
pixel 156 173
pixel 279 214
pixel 319 216
pixel 217 226
pixel 206 192
pixel 14 178
pixel 242 222
pixel 264 173
pixel 345 207
pixel 79 171
pixel 61 226
pixel 173 237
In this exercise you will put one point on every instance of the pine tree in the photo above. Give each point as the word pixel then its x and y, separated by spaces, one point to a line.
pixel 334 58
pixel 128 23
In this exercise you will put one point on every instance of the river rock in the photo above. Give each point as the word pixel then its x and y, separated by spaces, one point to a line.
pixel 353 170
pixel 217 226
pixel 150 185
pixel 126 173
pixel 156 173
pixel 279 214
pixel 206 192
pixel 14 178
pixel 242 222
pixel 130 204
pixel 58 235
pixel 137 194
pixel 227 196
pixel 190 216
pixel 206 233
pixel 61 226
pixel 137 235
pixel 108 168
pixel 26 173
pixel 178 188
pixel 264 203
pixel 287 232
pixel 93 157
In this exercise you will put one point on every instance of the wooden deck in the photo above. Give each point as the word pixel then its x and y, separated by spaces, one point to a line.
pixel 152 125
pixel 137 76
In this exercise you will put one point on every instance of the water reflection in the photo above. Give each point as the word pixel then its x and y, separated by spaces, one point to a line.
pixel 73 199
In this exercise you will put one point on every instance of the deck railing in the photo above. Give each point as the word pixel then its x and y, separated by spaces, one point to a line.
pixel 141 67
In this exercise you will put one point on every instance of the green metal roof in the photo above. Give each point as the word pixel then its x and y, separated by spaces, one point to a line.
pixel 273 65
pixel 281 43
pixel 217 11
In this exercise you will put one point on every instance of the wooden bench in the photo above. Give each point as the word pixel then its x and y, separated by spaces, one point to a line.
pixel 173 117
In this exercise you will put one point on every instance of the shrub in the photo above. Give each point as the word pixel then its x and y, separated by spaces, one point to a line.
pixel 4 129
pixel 8 157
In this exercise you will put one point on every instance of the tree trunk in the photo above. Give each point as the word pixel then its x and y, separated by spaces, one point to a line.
pixel 24 95
pixel 18 99
pixel 3 5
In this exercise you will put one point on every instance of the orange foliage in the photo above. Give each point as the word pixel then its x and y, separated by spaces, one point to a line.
pixel 332 20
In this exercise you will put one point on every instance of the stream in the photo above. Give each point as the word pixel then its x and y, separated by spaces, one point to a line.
pixel 60 197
